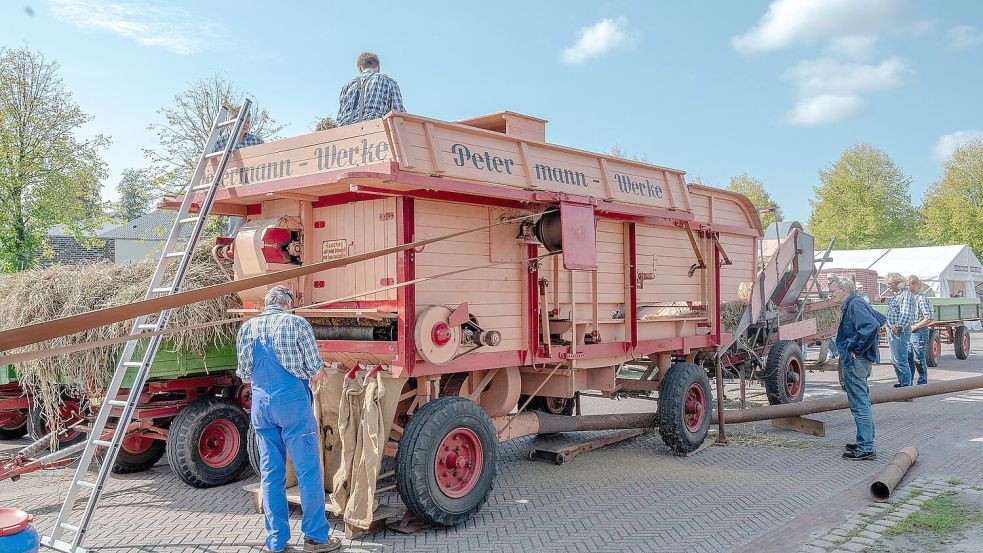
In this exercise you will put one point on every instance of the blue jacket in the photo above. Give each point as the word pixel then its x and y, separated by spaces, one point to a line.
pixel 858 331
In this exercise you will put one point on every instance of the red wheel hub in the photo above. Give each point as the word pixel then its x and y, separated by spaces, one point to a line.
pixel 244 396
pixel 441 334
pixel 966 342
pixel 12 419
pixel 793 378
pixel 219 443
pixel 136 443
pixel 458 463
pixel 694 407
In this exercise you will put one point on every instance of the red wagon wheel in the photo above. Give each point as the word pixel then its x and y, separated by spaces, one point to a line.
pixel 693 410
pixel 458 462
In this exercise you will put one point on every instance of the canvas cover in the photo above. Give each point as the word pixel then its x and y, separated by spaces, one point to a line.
pixel 949 271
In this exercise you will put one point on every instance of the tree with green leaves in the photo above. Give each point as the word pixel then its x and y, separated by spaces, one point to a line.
pixel 952 212
pixel 136 198
pixel 48 174
pixel 863 201
pixel 186 126
pixel 754 190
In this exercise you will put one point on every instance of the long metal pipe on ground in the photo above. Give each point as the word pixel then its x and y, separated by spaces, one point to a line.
pixel 877 395
pixel 550 424
pixel 888 479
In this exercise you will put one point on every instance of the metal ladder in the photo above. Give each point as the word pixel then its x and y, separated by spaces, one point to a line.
pixel 179 249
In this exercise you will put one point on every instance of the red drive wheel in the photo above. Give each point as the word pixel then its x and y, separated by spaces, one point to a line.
pixel 784 375
pixel 933 351
pixel 458 463
pixel 69 413
pixel 137 453
pixel 693 407
pixel 244 396
pixel 219 443
pixel 683 416
pixel 13 425
pixel 960 342
pixel 446 461
pixel 206 443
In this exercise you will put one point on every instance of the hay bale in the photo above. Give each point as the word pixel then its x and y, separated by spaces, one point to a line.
pixel 63 290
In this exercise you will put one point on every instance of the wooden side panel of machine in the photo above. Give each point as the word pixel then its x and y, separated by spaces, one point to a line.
pixel 493 294
pixel 352 229
pixel 610 276
pixel 668 253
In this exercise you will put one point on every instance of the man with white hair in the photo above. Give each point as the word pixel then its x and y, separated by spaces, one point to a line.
pixel 901 314
pixel 857 339
pixel 278 355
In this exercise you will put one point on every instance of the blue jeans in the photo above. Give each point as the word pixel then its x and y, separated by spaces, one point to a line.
pixel 855 382
pixel 900 343
pixel 916 355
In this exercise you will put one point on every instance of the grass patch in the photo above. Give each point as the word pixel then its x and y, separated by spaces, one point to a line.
pixel 954 482
pixel 916 493
pixel 853 533
pixel 940 515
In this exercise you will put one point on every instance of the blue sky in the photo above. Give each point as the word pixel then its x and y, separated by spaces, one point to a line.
pixel 775 89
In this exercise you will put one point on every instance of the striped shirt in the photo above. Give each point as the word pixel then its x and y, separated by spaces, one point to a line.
pixel 381 95
pixel 902 312
pixel 249 140
pixel 292 338
pixel 923 309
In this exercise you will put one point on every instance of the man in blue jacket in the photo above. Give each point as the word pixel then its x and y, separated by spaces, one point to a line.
pixel 857 341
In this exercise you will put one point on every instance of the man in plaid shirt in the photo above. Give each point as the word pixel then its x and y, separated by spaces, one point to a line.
pixel 278 355
pixel 246 138
pixel 901 314
pixel 370 95
pixel 919 331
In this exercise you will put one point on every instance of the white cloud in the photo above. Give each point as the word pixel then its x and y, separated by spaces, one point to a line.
pixel 830 90
pixel 963 36
pixel 826 108
pixel 806 22
pixel 947 143
pixel 598 39
pixel 859 47
pixel 171 28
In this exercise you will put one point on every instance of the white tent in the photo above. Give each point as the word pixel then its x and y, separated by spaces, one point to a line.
pixel 949 271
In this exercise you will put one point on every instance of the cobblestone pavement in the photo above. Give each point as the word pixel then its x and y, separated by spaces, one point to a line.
pixel 770 490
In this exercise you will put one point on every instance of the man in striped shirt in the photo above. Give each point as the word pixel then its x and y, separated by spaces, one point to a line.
pixel 919 331
pixel 901 314
pixel 369 96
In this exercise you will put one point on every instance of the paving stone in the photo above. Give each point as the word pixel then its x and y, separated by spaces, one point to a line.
pixel 823 543
pixel 852 546
pixel 864 540
pixel 837 532
pixel 811 549
pixel 871 534
pixel 876 528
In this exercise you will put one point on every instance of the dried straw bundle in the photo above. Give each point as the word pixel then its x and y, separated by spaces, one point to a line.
pixel 63 290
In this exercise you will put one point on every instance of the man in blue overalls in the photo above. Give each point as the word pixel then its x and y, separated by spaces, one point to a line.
pixel 278 354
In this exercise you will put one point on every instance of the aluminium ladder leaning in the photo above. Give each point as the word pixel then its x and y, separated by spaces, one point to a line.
pixel 179 247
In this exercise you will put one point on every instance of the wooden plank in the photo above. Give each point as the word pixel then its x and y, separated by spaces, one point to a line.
pixel 804 425
pixel 431 141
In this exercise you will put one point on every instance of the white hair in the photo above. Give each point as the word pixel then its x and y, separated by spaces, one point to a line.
pixel 279 295
pixel 844 284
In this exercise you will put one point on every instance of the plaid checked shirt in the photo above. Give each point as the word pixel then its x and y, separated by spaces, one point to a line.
pixel 924 310
pixel 381 97
pixel 902 311
pixel 293 342
pixel 249 140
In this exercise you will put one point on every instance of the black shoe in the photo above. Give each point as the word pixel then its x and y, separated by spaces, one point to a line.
pixel 899 385
pixel 851 447
pixel 859 455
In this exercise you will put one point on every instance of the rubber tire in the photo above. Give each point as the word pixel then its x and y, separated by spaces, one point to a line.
pixel 15 432
pixel 774 377
pixel 962 333
pixel 182 442
pixel 930 358
pixel 127 463
pixel 252 450
pixel 415 473
pixel 672 397
pixel 36 427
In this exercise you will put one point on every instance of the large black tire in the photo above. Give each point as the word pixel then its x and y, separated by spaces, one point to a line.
pixel 206 444
pixel 140 458
pixel 933 349
pixel 785 375
pixel 37 424
pixel 961 342
pixel 685 407
pixel 450 422
pixel 252 449
pixel 15 430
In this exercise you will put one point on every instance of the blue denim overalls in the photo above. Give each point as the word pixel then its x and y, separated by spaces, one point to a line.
pixel 284 421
